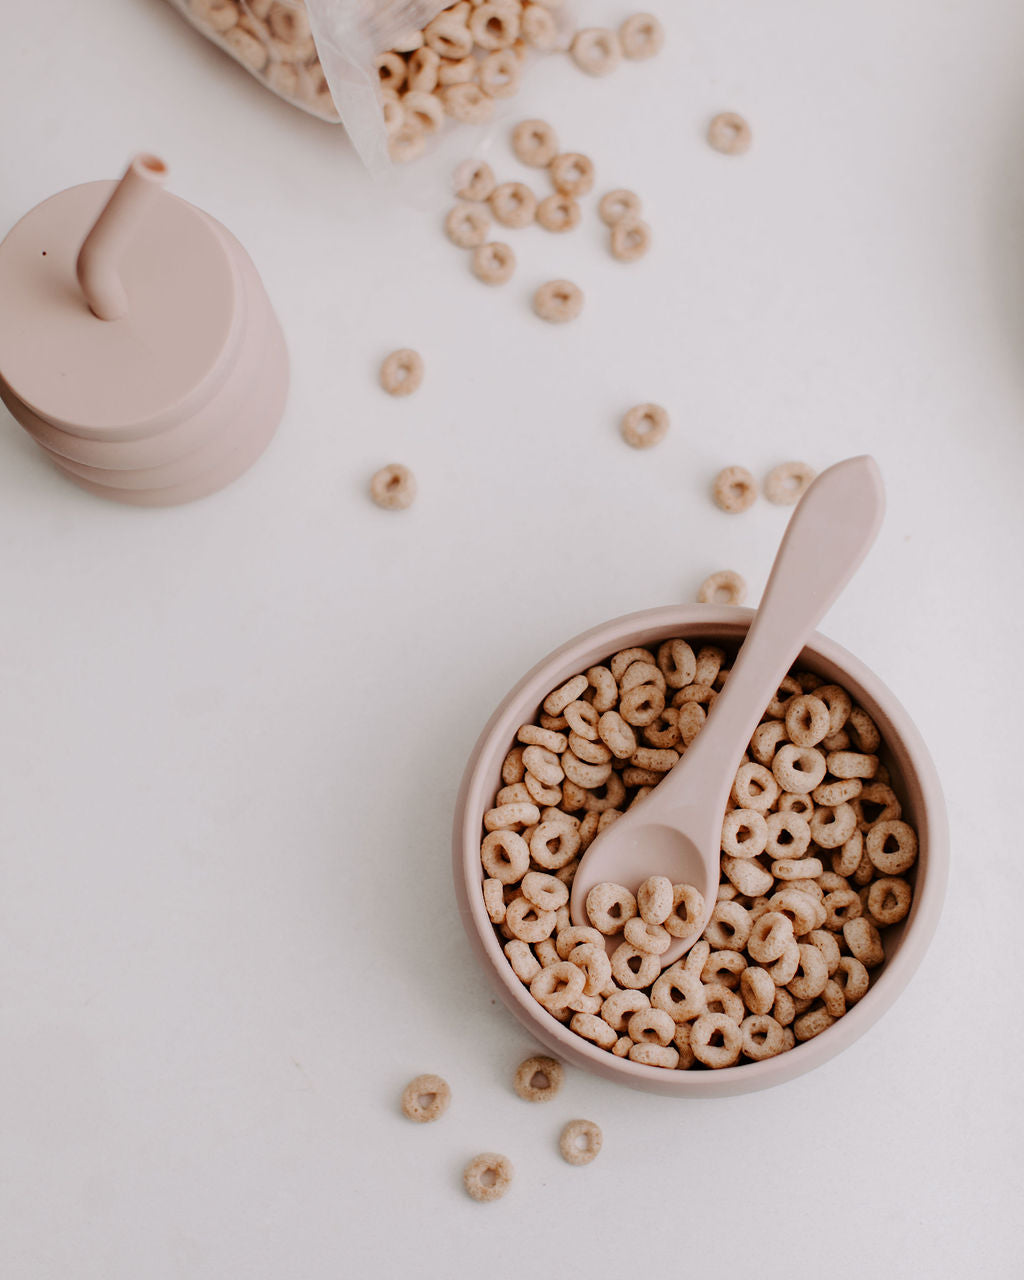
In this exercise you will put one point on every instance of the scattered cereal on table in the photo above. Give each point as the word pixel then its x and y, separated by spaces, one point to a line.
pixel 572 173
pixel 474 180
pixel 393 487
pixel 724 587
pixel 596 50
pixel 401 373
pixel 730 134
pixel 493 263
pixel 786 483
pixel 534 143
pixel 619 204
pixel 513 204
pixel 641 36
pixel 580 1142
pixel 487 1176
pixel 467 226
pixel 558 301
pixel 645 425
pixel 558 213
pixel 630 239
pixel 734 490
pixel 426 1098
pixel 538 1079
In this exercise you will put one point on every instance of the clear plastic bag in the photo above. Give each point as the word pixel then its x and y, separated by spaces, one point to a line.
pixel 324 56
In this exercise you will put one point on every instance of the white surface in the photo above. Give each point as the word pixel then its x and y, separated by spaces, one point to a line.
pixel 232 733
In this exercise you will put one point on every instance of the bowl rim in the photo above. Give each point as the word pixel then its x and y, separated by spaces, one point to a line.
pixel 700 622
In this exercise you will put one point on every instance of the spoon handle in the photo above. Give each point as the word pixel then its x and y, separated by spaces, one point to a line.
pixel 830 532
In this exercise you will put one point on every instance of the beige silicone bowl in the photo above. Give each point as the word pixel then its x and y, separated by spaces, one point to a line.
pixel 913 778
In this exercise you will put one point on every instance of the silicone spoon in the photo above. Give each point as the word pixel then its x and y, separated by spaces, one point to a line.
pixel 676 830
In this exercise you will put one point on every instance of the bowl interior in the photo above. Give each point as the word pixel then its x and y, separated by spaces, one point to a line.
pixel 913 779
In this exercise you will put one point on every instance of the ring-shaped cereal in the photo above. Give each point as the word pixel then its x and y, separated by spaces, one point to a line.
pixel 757 989
pixel 594 1029
pixel 487 1176
pixel 493 263
pixel 842 791
pixel 580 1142
pixel 401 373
pixel 534 143
pixel 746 875
pixel 852 764
pixel 557 986
pixel 513 204
pixel 765 740
pixel 630 239
pixel 665 1056
pixel 734 490
pixel 532 735
pixel 558 213
pixel 812 975
pixel 722 999
pixel 620 1006
pixel 565 695
pixel 494 26
pixel 617 205
pixel 525 964
pixel 544 891
pixel 646 937
pixel 545 765
pixel 651 1026
pixel 467 226
pixel 634 969
pixel 729 926
pixel 807 720
pixel 892 847
pixel 610 796
pixel 426 1098
pixel 511 816
pixel 572 173
pixel 538 27
pixel 609 906
pixel 393 487
pixel 391 70
pixel 755 787
pixel 730 134
pixel 786 484
pixel 558 301
pixel 592 958
pixel 538 1079
pixel 688 905
pixel 854 979
pixel 789 834
pixel 831 828
pixel 575 935
pixel 798 769
pixel 582 718
pixel 889 900
pixel 588 751
pixel 677 663
pixel 716 1040
pixel 641 36
pixel 744 833
pixel 425 109
pixel 864 942
pixel 596 51
pixel 421 72
pixel 642 706
pixel 494 900
pixel 763 1037
pixel 812 1024
pixel 863 731
pixel 803 911
pixel 644 425
pixel 589 776
pixel 527 922
pixel 499 74
pixel 769 936
pixel 474 180
pixel 553 845
pixel 448 37
pixel 797 868
pixel 654 899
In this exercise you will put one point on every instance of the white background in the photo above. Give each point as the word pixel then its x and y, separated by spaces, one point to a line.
pixel 231 734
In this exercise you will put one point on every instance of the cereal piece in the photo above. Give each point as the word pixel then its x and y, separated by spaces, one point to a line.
pixel 798 769
pixel 494 26
pixel 641 36
pixel 592 959
pixel 421 77
pixel 594 1029
pixel 494 901
pixel 525 964
pixel 528 922
pixel 615 206
pixel 763 1037
pixel 448 36
pixel 220 15
pixel 654 899
pixel 864 942
pixel 634 969
pixel 580 1142
pixel 734 490
pixel 609 906
pixel 558 301
pixel 655 1055
pixel 686 922
pixel 812 974
pixel 812 1024
pixel 493 263
pixel 558 213
pixel 426 1098
pixel 645 425
pixel 467 226
pixel 757 989
pixel 807 720
pixel 852 764
pixel 544 891
pixel 513 204
pixel 572 174
pixel 505 855
pixel 557 986
pixel 630 239
pixel 889 900
pixel 468 103
pixel 729 926
pixel 425 110
pixel 393 487
pixel 407 141
pixel 474 180
pixel 596 51
pixel 646 937
pixel 456 71
pixel 892 847
pixel 538 1079
pixel 786 483
pixel 534 735
pixel 499 73
pixel 724 587
pixel 538 27
pixel 721 999
pixel 534 143
pixel 487 1177
pixel 716 1040
pixel 651 1026
pixel 730 134
pixel 402 372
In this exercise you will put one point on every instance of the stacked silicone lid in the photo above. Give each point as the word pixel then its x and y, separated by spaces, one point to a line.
pixel 137 344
